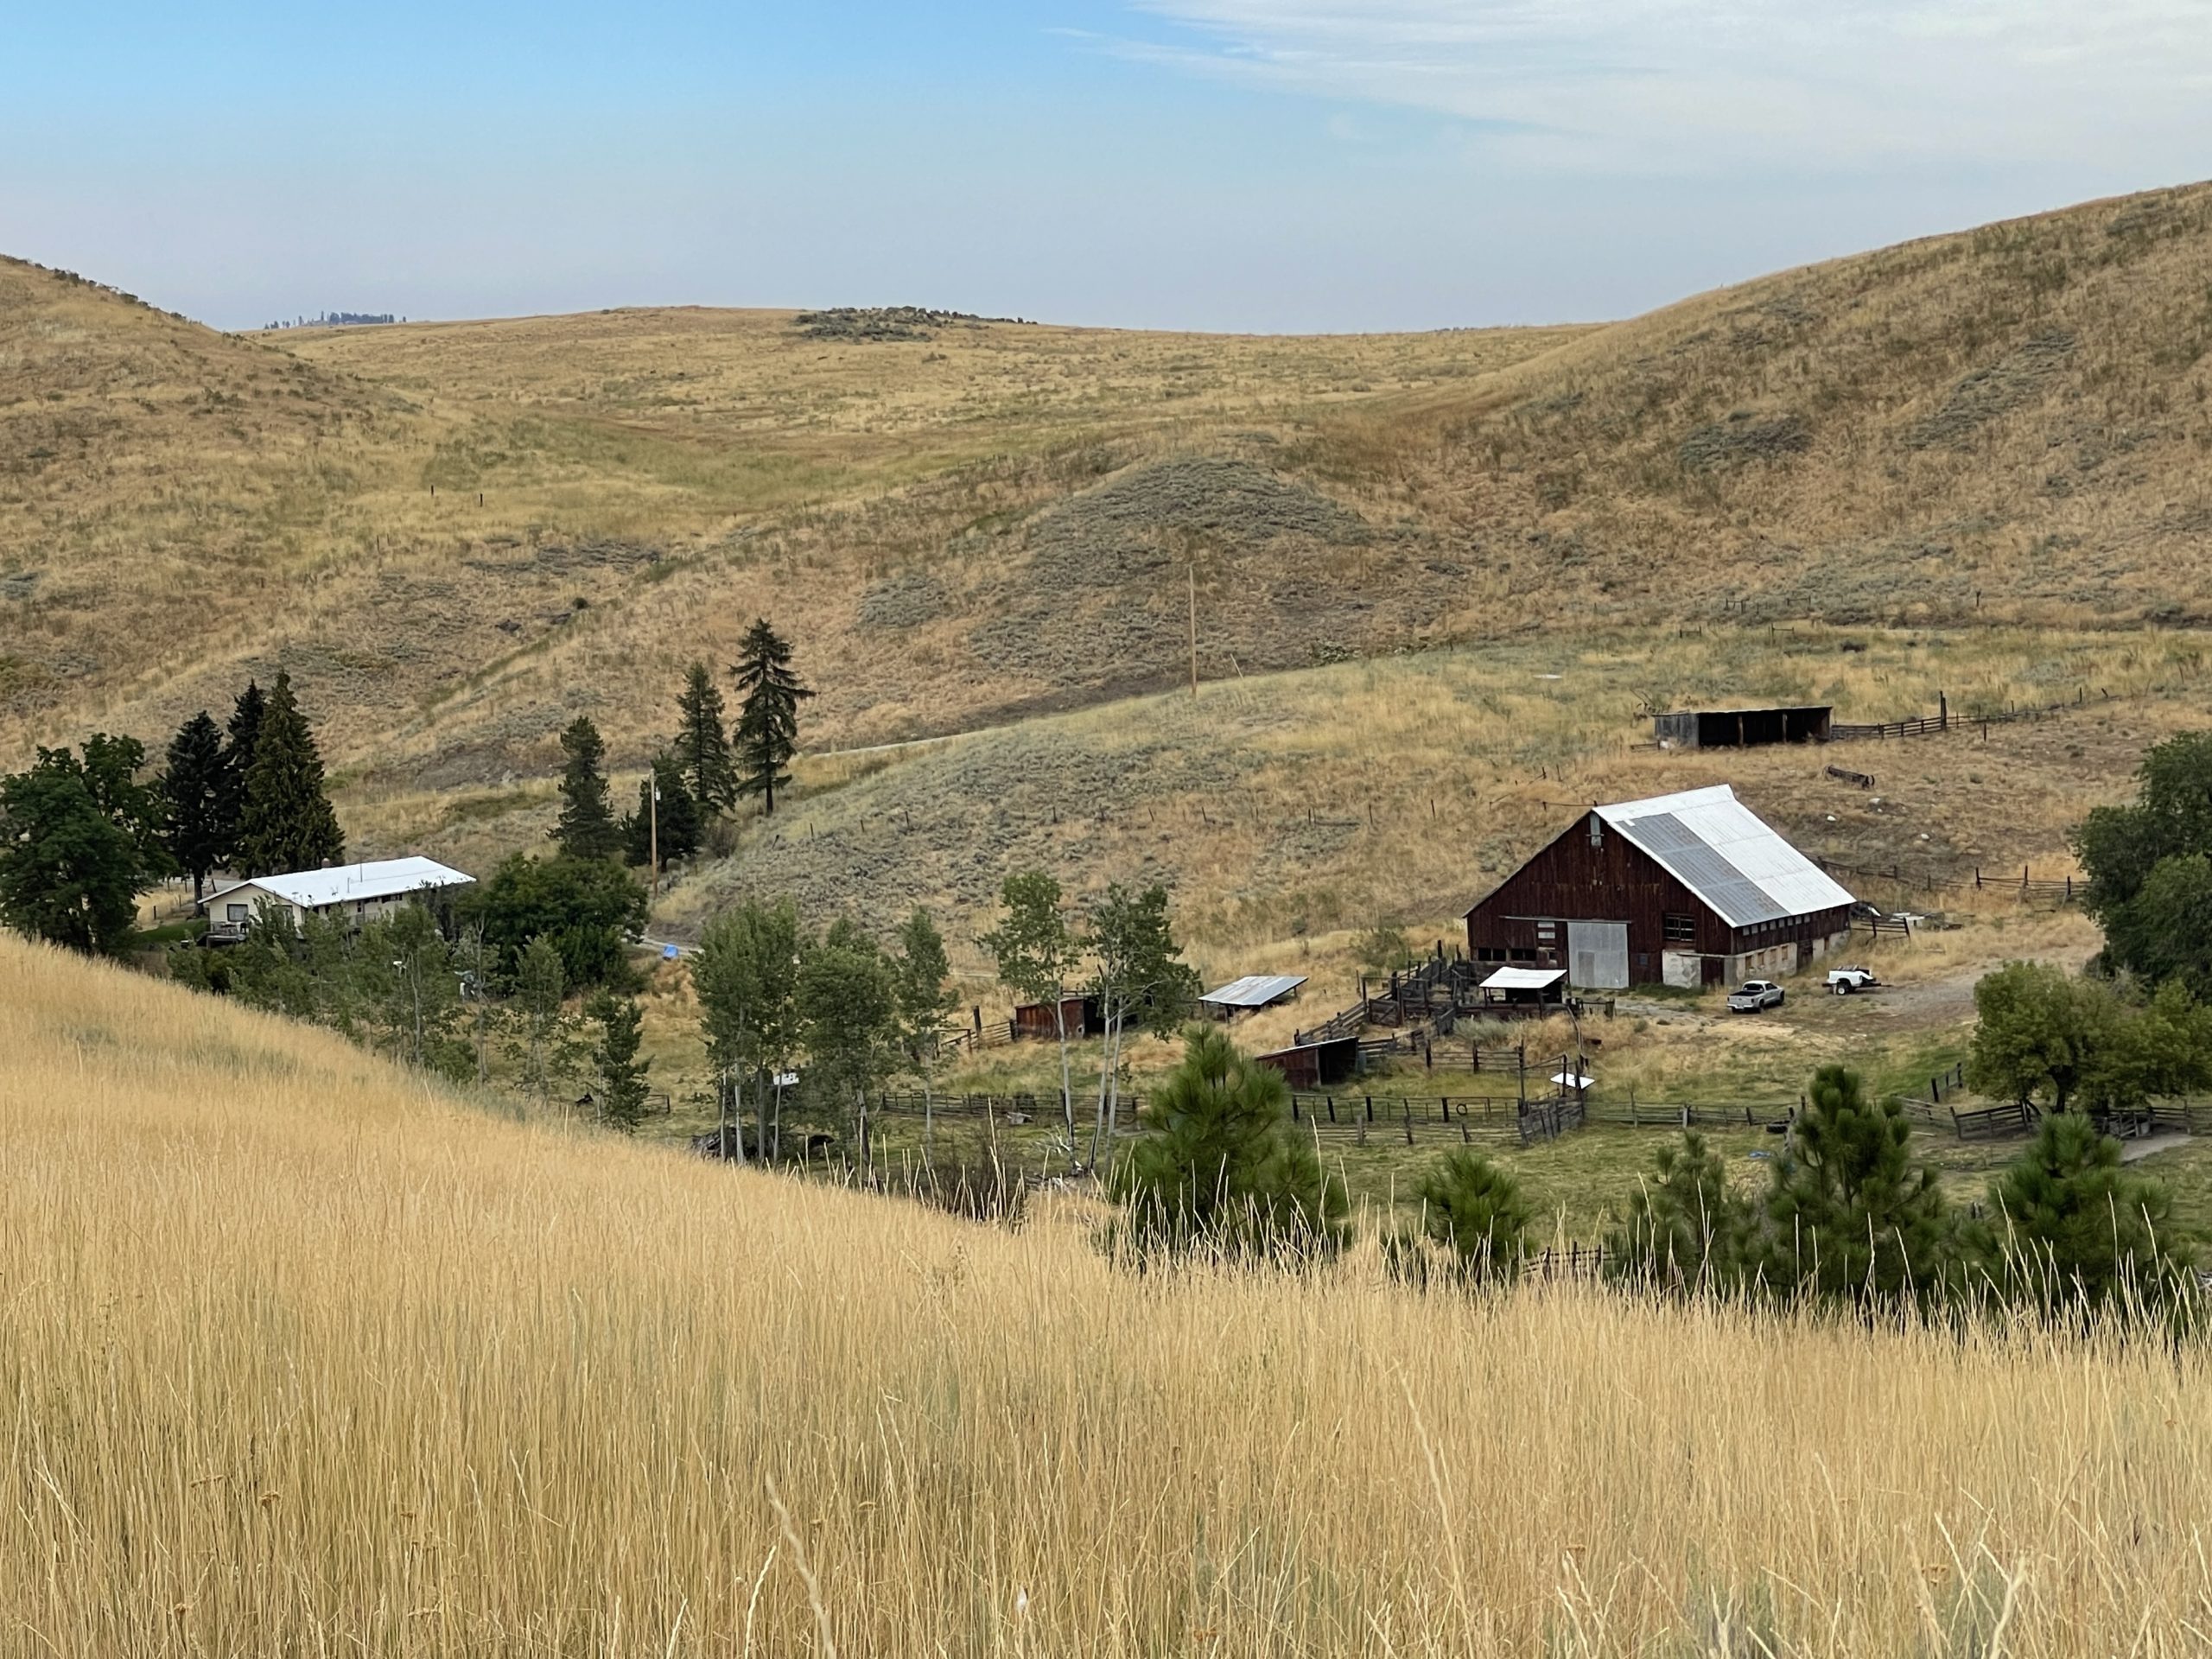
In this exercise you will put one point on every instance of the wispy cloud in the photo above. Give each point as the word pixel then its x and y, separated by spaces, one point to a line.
pixel 1714 85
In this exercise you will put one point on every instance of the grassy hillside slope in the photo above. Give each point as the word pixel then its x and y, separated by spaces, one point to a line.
pixel 990 520
pixel 299 1355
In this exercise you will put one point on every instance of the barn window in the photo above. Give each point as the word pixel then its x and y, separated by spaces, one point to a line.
pixel 1521 953
pixel 1547 930
pixel 1490 953
pixel 1680 928
pixel 1597 830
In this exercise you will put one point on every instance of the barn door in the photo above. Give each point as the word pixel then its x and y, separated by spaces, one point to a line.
pixel 1598 953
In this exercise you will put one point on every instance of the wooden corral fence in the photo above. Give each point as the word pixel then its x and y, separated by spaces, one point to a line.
pixel 2029 887
pixel 1575 1262
pixel 1943 721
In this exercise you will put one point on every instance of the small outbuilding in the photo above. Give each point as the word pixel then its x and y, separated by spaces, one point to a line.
pixel 1511 992
pixel 1315 1065
pixel 1085 1016
pixel 357 893
pixel 1741 728
pixel 1249 994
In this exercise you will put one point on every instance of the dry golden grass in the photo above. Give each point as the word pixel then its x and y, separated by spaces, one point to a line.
pixel 302 1355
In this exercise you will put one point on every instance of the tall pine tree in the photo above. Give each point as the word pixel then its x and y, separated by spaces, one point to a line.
pixel 286 821
pixel 197 826
pixel 767 722
pixel 701 745
pixel 587 827
pixel 240 736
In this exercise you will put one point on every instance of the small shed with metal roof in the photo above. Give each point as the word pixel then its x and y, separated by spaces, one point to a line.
pixel 1687 889
pixel 1250 993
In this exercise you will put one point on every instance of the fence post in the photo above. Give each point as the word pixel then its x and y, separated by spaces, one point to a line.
pixel 1370 1108
pixel 1409 1119
pixel 1332 1109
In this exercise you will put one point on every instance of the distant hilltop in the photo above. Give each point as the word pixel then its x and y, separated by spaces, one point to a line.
pixel 337 320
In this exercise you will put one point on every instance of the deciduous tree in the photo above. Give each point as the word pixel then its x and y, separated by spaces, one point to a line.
pixel 69 872
pixel 746 975
pixel 925 1002
pixel 1142 983
pixel 1037 956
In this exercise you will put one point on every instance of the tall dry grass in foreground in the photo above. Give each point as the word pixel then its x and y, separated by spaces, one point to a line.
pixel 297 1355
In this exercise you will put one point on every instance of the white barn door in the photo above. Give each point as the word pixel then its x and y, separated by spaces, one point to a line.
pixel 1597 953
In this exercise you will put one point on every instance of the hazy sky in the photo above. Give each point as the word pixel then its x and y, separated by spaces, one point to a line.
pixel 1233 164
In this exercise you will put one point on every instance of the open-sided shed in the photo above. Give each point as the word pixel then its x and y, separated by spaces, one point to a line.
pixel 1252 992
pixel 1741 728
pixel 1524 990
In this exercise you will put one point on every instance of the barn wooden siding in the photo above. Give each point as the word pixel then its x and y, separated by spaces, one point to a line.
pixel 1612 880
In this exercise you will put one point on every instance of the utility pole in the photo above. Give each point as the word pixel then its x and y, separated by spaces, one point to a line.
pixel 653 855
pixel 1194 625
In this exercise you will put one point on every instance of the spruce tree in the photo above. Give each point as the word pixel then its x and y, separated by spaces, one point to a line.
pixel 286 821
pixel 678 834
pixel 241 736
pixel 587 827
pixel 197 823
pixel 701 745
pixel 767 722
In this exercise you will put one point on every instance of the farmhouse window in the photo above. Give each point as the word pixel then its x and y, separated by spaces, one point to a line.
pixel 1678 928
pixel 234 913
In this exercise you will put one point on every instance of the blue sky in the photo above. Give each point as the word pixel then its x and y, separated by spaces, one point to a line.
pixel 1228 165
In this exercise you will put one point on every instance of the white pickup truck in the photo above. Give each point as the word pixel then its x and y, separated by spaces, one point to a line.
pixel 1754 994
pixel 1844 981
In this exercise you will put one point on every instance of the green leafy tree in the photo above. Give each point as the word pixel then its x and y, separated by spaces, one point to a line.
pixel 1475 1210
pixel 69 872
pixel 745 973
pixel 2148 883
pixel 2039 1033
pixel 590 908
pixel 1686 1228
pixel 1037 956
pixel 1854 1215
pixel 2070 1223
pixel 922 975
pixel 285 821
pixel 1142 983
pixel 196 823
pixel 111 767
pixel 540 1040
pixel 622 1091
pixel 315 972
pixel 411 992
pixel 678 829
pixel 586 828
pixel 702 745
pixel 1216 1163
pixel 767 718
pixel 847 1003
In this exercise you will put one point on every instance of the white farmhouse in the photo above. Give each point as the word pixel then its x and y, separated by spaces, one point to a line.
pixel 358 893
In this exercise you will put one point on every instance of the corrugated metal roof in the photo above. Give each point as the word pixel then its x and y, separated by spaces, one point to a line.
pixel 1254 990
pixel 1720 849
pixel 381 879
pixel 1523 979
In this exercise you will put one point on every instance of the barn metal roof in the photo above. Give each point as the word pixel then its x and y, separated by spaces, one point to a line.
pixel 1254 990
pixel 1524 979
pixel 382 879
pixel 1720 850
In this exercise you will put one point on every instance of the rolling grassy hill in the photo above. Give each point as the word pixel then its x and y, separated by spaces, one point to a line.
pixel 303 1354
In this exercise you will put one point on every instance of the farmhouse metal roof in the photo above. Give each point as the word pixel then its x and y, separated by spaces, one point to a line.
pixel 1720 850
pixel 1524 979
pixel 1254 990
pixel 346 883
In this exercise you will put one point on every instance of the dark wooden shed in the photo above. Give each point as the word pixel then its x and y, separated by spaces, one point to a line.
pixel 1315 1065
pixel 1741 728
pixel 1083 1014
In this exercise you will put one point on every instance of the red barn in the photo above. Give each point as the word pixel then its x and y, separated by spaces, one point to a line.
pixel 1687 889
